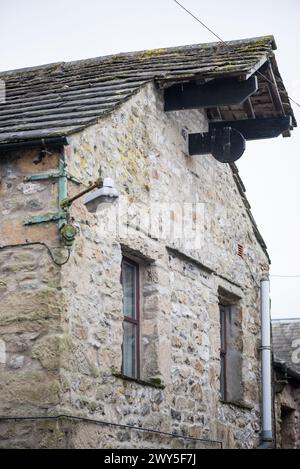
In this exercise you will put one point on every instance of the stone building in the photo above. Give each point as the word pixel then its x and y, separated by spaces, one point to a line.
pixel 136 325
pixel 286 363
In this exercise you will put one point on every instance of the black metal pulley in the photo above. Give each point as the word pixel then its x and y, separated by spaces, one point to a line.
pixel 225 144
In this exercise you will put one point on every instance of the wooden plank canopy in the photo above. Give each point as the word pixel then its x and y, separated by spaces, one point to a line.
pixel 215 93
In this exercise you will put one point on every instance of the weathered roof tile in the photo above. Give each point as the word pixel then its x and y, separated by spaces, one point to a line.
pixel 62 98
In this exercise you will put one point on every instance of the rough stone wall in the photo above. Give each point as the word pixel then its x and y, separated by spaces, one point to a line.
pixel 31 305
pixel 142 148
pixel 287 413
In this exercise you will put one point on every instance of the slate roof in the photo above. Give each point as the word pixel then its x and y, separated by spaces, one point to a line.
pixel 62 98
pixel 285 333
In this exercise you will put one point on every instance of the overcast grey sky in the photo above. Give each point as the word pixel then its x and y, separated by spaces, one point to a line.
pixel 33 32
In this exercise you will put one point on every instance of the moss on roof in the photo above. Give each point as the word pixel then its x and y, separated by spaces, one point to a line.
pixel 62 98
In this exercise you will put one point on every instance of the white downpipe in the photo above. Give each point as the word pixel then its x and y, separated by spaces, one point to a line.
pixel 267 434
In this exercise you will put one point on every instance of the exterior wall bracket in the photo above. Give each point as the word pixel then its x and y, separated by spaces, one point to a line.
pixel 225 144
pixel 51 175
pixel 47 217
pixel 62 214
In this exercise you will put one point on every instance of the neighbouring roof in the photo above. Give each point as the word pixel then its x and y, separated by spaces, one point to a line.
pixel 286 343
pixel 62 98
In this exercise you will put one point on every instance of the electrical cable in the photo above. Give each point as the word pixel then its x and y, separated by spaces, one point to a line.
pixel 199 21
pixel 10 246
pixel 285 276
pixel 227 44
pixel 113 424
pixel 250 270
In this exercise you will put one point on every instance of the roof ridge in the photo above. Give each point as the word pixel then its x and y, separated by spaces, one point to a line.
pixel 285 320
pixel 268 40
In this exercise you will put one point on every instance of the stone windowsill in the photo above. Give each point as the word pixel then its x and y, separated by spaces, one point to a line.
pixel 239 404
pixel 150 383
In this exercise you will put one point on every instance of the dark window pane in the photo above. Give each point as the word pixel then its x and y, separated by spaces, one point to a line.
pixel 223 384
pixel 129 290
pixel 222 378
pixel 223 328
pixel 129 349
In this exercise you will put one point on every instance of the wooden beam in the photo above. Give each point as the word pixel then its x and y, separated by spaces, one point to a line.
pixel 249 109
pixel 257 129
pixel 214 113
pixel 274 93
pixel 212 94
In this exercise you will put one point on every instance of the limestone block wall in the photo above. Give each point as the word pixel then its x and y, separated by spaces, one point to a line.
pixel 287 413
pixel 61 328
pixel 31 304
pixel 143 150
